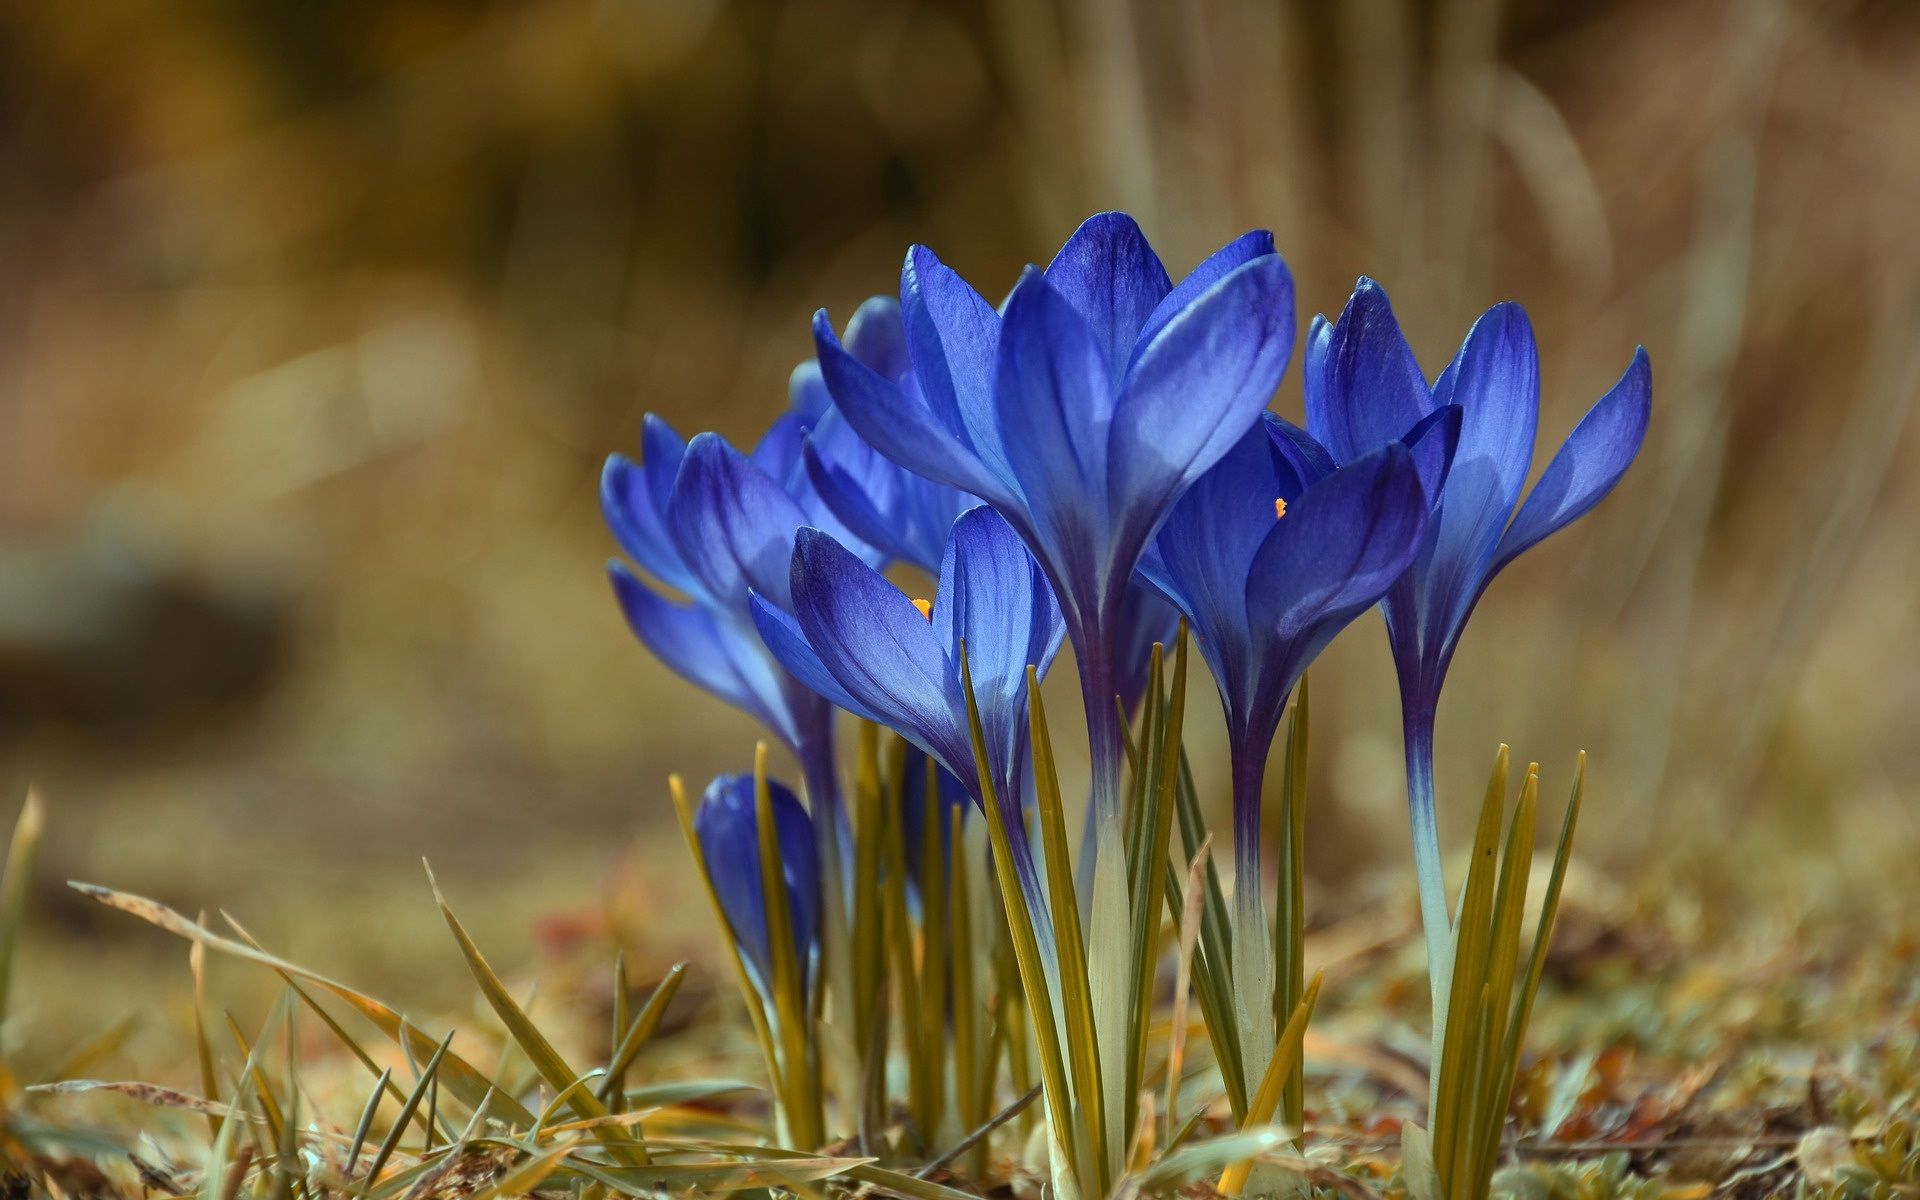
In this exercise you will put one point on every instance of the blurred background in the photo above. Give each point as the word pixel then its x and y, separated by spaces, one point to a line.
pixel 319 319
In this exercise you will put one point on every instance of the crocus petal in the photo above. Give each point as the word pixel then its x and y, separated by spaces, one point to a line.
pixel 993 597
pixel 1220 264
pixel 856 481
pixel 777 453
pixel 733 524
pixel 872 639
pixel 626 503
pixel 902 515
pixel 878 337
pixel 701 650
pixel 807 392
pixel 1113 279
pixel 1434 442
pixel 1496 382
pixel 1364 388
pixel 728 825
pixel 1305 458
pixel 897 424
pixel 1588 464
pixel 953 335
pixel 789 646
pixel 1055 399
pixel 1339 548
pixel 1197 388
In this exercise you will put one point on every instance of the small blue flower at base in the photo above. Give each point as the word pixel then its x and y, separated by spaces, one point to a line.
pixel 727 825
pixel 1081 411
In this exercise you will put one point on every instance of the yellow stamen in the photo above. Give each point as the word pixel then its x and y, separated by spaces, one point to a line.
pixel 925 607
pixel 1279 508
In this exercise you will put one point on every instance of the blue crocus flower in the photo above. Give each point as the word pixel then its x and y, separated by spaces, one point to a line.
pixel 727 824
pixel 1268 566
pixel 1364 388
pixel 1269 563
pixel 1080 413
pixel 862 643
pixel 906 516
pixel 711 523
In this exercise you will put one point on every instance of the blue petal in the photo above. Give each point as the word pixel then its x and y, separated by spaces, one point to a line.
pixel 877 336
pixel 1433 442
pixel 807 392
pixel 1588 464
pixel 896 423
pixel 1197 388
pixel 1363 386
pixel 881 503
pixel 872 639
pixel 733 524
pixel 1220 264
pixel 1113 279
pixel 1055 402
pixel 994 597
pixel 954 337
pixel 700 649
pixel 1303 458
pixel 1336 552
pixel 728 825
pixel 1206 547
pixel 1496 382
pixel 777 453
pixel 626 503
pixel 790 648
pixel 856 481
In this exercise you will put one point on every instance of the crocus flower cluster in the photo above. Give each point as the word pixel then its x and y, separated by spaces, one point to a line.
pixel 1090 459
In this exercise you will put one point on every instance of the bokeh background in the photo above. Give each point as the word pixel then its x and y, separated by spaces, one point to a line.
pixel 318 320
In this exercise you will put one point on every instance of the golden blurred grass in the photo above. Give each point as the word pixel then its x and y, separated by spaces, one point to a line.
pixel 323 317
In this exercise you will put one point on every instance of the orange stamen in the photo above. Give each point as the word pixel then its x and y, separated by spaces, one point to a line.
pixel 925 607
pixel 1279 508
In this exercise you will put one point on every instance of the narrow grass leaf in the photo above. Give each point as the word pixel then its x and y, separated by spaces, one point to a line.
pixel 1020 925
pixel 639 1030
pixel 534 1044
pixel 1286 1060
pixel 467 1082
pixel 15 886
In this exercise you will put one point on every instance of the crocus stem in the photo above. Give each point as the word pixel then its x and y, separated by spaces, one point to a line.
pixel 1418 724
pixel 1252 944
pixel 830 835
pixel 1102 873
